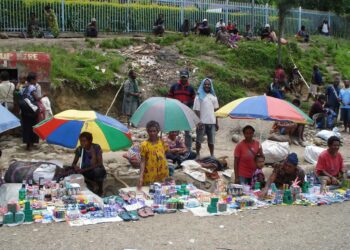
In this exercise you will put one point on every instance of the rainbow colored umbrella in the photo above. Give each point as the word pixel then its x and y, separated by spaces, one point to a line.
pixel 64 129
pixel 264 108
pixel 171 114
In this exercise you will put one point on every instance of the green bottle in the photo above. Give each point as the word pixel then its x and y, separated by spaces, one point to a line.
pixel 22 193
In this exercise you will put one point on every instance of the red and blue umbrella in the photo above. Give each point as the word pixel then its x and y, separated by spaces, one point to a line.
pixel 263 108
pixel 64 129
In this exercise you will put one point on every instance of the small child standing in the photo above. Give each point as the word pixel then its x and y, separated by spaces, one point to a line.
pixel 258 175
pixel 154 166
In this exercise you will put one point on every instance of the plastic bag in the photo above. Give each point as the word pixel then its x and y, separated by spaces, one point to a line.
pixel 275 151
pixel 311 154
pixel 325 134
pixel 46 171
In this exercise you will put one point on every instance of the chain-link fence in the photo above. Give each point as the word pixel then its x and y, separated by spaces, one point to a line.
pixel 139 15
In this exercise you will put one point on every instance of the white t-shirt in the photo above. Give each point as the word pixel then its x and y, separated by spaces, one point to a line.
pixel 325 28
pixel 206 108
pixel 6 91
pixel 219 25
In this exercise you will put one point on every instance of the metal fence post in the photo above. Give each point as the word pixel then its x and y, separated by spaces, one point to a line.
pixel 266 13
pixel 299 20
pixel 252 25
pixel 182 11
pixel 62 15
pixel 226 12
pixel 127 17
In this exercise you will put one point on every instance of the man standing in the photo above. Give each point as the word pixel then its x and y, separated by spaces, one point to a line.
pixel 332 95
pixel 316 82
pixel 345 108
pixel 184 92
pixel 205 105
pixel 132 95
pixel 6 91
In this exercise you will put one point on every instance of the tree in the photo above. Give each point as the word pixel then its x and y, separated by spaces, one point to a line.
pixel 283 7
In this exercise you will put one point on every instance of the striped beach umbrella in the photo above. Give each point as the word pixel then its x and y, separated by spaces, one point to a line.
pixel 263 108
pixel 64 129
pixel 171 114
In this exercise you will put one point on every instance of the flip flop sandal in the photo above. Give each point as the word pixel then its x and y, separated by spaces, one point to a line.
pixel 148 211
pixel 142 213
pixel 134 216
pixel 125 216
pixel 132 194
pixel 125 197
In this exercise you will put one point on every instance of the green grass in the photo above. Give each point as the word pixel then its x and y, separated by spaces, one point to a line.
pixel 78 67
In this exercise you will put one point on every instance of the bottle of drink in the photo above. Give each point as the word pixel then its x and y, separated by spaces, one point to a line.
pixel 22 193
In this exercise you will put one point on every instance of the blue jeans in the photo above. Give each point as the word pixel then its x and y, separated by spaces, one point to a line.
pixel 188 140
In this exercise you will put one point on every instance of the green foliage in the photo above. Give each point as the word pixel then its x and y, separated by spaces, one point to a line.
pixel 162 91
pixel 79 67
pixel 169 39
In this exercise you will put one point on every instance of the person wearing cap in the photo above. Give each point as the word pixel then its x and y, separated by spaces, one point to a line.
pixel 219 24
pixel 91 30
pixel 285 173
pixel 204 28
pixel 185 93
pixel 205 105
pixel 268 34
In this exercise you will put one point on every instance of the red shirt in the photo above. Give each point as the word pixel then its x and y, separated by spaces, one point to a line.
pixel 183 93
pixel 246 152
pixel 331 164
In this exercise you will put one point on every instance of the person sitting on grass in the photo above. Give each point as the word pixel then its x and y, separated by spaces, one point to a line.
pixel 248 34
pixel 178 152
pixel 91 161
pixel 258 175
pixel 285 173
pixel 154 166
pixel 330 164
pixel 302 35
pixel 91 30
pixel 230 27
pixel 203 28
pixel 268 35
pixel 158 27
pixel 185 27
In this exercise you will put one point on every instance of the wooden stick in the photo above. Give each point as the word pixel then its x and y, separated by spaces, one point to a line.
pixel 115 98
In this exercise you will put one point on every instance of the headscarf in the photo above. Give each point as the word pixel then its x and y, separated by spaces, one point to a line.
pixel 293 159
pixel 201 92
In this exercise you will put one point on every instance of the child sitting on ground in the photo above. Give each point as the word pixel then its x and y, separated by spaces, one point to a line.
pixel 258 175
pixel 154 166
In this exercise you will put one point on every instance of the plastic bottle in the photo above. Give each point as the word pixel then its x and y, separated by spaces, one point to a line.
pixel 22 193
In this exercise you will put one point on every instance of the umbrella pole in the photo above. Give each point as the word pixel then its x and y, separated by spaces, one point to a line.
pixel 115 98
pixel 82 155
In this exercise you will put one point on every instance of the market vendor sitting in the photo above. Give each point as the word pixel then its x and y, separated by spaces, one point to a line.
pixel 177 152
pixel 285 173
pixel 91 163
pixel 330 164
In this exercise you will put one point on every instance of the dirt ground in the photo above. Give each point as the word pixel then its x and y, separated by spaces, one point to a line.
pixel 325 227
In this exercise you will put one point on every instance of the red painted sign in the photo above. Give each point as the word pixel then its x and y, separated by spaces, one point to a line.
pixel 25 62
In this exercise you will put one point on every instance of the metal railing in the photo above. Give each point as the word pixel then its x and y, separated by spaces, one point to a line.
pixel 139 15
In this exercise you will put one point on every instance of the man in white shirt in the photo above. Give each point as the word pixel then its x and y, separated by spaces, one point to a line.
pixel 220 24
pixel 205 105
pixel 6 91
